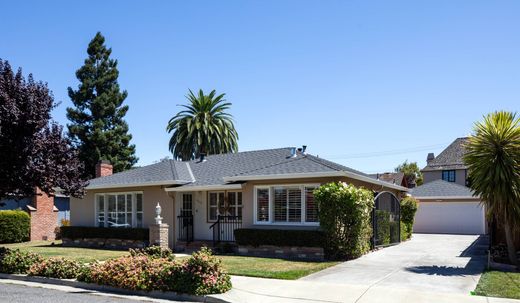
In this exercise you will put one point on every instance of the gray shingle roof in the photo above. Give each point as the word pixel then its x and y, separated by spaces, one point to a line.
pixel 449 158
pixel 441 188
pixel 215 168
pixel 395 178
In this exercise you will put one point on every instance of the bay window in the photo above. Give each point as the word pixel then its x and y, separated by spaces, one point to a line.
pixel 119 209
pixel 291 204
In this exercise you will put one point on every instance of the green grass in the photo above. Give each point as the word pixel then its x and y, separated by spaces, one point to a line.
pixel 271 268
pixel 86 255
pixel 235 265
pixel 499 284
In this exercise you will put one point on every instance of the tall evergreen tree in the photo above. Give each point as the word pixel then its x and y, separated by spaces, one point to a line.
pixel 97 126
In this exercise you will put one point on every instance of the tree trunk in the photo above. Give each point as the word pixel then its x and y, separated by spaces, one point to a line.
pixel 511 251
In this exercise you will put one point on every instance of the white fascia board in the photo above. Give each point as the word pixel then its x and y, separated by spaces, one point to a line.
pixel 204 187
pixel 316 175
pixel 156 183
pixel 446 197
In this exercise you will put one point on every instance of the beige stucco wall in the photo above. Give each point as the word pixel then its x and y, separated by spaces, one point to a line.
pixel 460 176
pixel 82 211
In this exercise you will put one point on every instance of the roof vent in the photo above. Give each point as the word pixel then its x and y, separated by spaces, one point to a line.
pixel 304 148
pixel 430 158
pixel 202 157
pixel 293 152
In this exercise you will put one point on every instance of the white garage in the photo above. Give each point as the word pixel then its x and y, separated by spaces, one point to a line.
pixel 448 208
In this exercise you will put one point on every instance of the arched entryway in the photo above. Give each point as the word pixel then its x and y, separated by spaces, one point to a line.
pixel 386 218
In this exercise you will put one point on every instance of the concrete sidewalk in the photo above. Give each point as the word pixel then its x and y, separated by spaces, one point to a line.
pixel 252 290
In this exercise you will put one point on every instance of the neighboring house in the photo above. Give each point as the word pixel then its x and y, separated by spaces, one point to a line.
pixel 394 178
pixel 446 204
pixel 256 189
pixel 61 202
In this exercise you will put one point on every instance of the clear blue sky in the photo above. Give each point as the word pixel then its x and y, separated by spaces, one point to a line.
pixel 364 83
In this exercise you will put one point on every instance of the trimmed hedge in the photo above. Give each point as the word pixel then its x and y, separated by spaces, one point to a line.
pixel 408 209
pixel 84 232
pixel 279 237
pixel 15 226
pixel 345 217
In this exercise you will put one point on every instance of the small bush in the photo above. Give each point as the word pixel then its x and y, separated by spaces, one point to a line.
pixel 15 261
pixel 15 226
pixel 84 232
pixel 345 217
pixel 200 274
pixel 406 231
pixel 408 209
pixel 56 268
pixel 279 237
pixel 383 227
pixel 153 252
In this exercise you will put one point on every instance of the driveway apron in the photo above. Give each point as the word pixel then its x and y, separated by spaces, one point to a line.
pixel 428 262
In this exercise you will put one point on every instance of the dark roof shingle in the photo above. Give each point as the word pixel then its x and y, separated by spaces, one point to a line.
pixel 441 188
pixel 449 158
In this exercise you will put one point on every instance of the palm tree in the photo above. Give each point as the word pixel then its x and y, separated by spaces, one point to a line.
pixel 203 127
pixel 493 160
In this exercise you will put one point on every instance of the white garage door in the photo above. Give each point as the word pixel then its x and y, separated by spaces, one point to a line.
pixel 450 218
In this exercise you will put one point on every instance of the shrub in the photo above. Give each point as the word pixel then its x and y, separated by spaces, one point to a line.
pixel 406 231
pixel 383 227
pixel 153 252
pixel 56 268
pixel 15 261
pixel 408 209
pixel 84 232
pixel 199 274
pixel 279 237
pixel 345 217
pixel 15 226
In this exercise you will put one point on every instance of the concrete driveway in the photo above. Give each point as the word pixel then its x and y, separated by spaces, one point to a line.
pixel 428 262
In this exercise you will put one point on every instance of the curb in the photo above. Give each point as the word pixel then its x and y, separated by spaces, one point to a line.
pixel 156 294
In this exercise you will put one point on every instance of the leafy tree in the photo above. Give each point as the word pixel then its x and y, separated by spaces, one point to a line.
pixel 97 126
pixel 34 153
pixel 203 126
pixel 493 160
pixel 412 172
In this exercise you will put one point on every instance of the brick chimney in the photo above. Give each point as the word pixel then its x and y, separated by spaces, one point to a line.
pixel 44 217
pixel 103 168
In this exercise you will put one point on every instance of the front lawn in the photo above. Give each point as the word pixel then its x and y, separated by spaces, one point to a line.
pixel 85 255
pixel 499 284
pixel 271 268
pixel 235 265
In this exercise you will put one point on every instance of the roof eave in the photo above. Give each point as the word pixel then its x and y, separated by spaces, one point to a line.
pixel 445 197
pixel 315 175
pixel 139 184
pixel 205 187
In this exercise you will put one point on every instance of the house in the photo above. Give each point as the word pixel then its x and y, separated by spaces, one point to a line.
pixel 61 203
pixel 446 204
pixel 394 178
pixel 255 189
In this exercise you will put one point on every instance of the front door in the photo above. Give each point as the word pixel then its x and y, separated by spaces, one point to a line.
pixel 185 218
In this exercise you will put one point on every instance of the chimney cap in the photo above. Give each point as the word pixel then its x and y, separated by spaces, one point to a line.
pixel 430 157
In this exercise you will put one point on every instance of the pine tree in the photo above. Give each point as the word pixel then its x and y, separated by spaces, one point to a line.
pixel 97 126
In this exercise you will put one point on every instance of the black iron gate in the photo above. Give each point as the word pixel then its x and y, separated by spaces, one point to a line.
pixel 185 226
pixel 386 220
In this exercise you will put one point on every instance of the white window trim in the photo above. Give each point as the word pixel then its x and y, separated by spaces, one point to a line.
pixel 271 205
pixel 209 220
pixel 105 204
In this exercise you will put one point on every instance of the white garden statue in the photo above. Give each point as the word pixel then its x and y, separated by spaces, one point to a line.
pixel 158 218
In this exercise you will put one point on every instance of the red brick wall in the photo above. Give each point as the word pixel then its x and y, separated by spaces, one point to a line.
pixel 44 219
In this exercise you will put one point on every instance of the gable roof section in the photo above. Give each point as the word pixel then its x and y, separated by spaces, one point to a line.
pixel 440 188
pixel 449 158
pixel 228 170
pixel 163 173
pixel 394 178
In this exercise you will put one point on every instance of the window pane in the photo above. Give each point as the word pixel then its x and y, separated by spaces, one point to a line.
pixel 280 205
pixel 139 202
pixel 295 205
pixel 239 198
pixel 100 203
pixel 221 200
pixel 128 219
pixel 129 203
pixel 213 199
pixel 262 204
pixel 232 198
pixel 111 203
pixel 101 220
pixel 120 203
pixel 311 211
pixel 213 213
